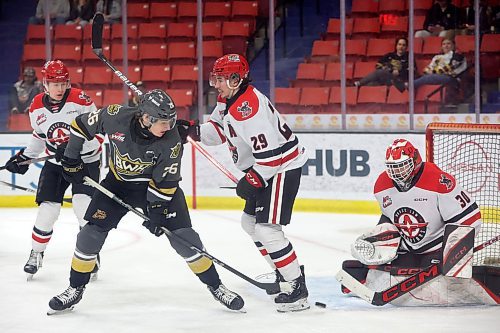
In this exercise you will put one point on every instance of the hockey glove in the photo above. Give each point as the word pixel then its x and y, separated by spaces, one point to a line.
pixel 13 166
pixel 73 170
pixel 188 128
pixel 158 214
pixel 60 151
pixel 248 186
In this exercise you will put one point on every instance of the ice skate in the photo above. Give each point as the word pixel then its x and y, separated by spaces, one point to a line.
pixel 66 300
pixel 95 271
pixel 226 297
pixel 33 264
pixel 294 299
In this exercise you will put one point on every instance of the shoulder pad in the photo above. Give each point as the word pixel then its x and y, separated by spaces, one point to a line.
pixel 436 180
pixel 246 106
pixel 78 96
pixel 36 103
pixel 383 183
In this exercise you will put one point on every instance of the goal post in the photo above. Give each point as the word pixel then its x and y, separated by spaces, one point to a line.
pixel 471 153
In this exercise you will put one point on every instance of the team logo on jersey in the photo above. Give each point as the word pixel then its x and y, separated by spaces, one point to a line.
pixel 113 109
pixel 58 132
pixel 85 97
pixel 446 181
pixel 411 224
pixel 99 215
pixel 175 150
pixel 41 119
pixel 244 109
pixel 125 165
pixel 117 136
pixel 386 201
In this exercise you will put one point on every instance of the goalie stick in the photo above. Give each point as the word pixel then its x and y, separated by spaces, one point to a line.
pixel 97 27
pixel 409 284
pixel 269 287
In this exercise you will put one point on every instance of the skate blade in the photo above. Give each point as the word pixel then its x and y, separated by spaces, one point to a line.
pixel 51 312
pixel 300 305
pixel 29 277
pixel 94 277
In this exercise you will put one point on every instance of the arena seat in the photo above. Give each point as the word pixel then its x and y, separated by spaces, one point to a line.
pixel 181 53
pixel 181 32
pixel 153 54
pixel 152 32
pixel 287 99
pixel 325 51
pixel 309 75
pixel 163 12
pixel 364 8
pixel 137 12
pixel 333 29
pixel 314 99
pixel 156 75
pixel 212 30
pixel 216 11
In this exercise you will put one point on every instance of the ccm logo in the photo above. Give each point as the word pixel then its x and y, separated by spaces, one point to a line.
pixel 411 283
pixel 458 255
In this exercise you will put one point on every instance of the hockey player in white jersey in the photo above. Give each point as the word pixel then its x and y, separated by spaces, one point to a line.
pixel 419 202
pixel 263 146
pixel 51 114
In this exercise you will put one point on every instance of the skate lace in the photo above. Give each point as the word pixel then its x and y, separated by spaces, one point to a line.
pixel 68 295
pixel 33 259
pixel 224 294
pixel 292 286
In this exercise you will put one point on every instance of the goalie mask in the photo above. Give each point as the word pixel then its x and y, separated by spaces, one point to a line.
pixel 233 67
pixel 54 71
pixel 159 106
pixel 402 161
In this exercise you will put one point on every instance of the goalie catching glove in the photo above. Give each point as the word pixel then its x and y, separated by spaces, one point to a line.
pixel 250 184
pixel 189 128
pixel 13 163
pixel 158 215
pixel 378 246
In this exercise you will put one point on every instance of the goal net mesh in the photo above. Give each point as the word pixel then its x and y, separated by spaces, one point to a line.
pixel 471 153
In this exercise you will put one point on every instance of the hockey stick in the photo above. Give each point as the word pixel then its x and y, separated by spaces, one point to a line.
pixel 26 189
pixel 269 287
pixel 97 26
pixel 412 282
pixel 33 160
pixel 212 160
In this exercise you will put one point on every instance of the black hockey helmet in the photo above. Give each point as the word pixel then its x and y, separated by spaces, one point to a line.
pixel 159 106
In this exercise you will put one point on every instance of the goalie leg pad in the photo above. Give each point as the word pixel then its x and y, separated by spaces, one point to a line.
pixel 458 251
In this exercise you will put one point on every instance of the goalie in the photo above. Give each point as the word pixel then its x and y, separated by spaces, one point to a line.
pixel 427 218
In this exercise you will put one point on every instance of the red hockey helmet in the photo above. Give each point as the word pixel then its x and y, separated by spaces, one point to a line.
pixel 54 71
pixel 233 67
pixel 402 161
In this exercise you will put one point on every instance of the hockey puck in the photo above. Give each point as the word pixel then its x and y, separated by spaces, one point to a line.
pixel 321 305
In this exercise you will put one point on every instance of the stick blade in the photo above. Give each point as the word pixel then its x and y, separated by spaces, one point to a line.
pixel 97 26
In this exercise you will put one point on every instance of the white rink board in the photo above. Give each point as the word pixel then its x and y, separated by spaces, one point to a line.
pixel 341 166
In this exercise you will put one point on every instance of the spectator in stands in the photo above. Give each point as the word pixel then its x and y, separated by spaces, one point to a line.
pixel 111 9
pixel 441 20
pixel 485 18
pixel 82 11
pixel 391 69
pixel 444 69
pixel 58 12
pixel 23 91
pixel 133 99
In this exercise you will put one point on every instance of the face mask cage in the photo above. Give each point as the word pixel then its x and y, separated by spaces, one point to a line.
pixel 400 172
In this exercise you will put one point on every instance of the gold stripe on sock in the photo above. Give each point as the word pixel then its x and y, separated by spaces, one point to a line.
pixel 201 265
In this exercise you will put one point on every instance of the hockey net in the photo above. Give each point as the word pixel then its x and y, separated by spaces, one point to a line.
pixel 471 153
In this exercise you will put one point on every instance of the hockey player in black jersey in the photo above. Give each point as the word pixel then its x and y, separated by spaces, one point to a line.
pixel 144 170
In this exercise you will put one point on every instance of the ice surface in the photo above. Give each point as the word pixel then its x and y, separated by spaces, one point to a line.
pixel 144 286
